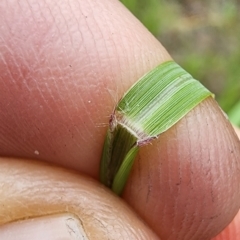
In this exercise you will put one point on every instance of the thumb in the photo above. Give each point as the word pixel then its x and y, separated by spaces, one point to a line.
pixel 61 204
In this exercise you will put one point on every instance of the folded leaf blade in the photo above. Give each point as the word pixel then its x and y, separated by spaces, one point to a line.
pixel 151 106
pixel 163 96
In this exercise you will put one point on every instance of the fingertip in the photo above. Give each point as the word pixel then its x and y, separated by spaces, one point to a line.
pixel 63 67
pixel 186 185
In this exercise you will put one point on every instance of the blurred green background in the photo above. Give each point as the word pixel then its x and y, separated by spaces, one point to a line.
pixel 204 38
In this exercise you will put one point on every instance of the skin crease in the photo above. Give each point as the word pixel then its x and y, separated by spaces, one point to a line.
pixel 63 66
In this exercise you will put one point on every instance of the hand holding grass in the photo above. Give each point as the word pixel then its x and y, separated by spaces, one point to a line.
pixel 56 93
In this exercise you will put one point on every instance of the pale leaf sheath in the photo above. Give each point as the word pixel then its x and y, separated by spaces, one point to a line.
pixel 150 107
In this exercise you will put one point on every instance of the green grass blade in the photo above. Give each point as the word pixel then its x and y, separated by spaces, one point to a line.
pixel 124 170
pixel 118 143
pixel 159 99
pixel 151 106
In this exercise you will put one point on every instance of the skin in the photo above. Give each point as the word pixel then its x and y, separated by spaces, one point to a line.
pixel 63 67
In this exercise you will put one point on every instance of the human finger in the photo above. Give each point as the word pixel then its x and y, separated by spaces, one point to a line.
pixel 58 203
pixel 186 184
pixel 65 92
pixel 63 66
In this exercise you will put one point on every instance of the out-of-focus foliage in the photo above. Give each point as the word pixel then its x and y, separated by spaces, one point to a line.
pixel 203 37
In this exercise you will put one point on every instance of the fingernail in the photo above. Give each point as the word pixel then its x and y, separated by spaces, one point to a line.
pixel 54 227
